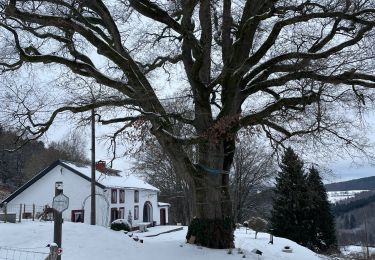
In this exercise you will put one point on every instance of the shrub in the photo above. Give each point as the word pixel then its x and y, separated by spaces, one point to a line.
pixel 258 225
pixel 118 225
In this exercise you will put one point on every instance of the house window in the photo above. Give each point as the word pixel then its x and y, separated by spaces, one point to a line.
pixel 121 212
pixel 136 196
pixel 114 196
pixel 136 212
pixel 122 196
pixel 114 214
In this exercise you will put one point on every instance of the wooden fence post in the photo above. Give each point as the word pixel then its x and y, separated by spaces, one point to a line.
pixel 5 211
pixel 52 252
pixel 33 212
pixel 19 219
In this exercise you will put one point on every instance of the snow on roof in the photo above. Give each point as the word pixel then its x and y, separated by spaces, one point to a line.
pixel 121 181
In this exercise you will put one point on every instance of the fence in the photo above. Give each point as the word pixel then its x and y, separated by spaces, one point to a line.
pixel 11 253
pixel 25 212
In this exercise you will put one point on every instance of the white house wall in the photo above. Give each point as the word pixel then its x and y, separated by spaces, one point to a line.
pixel 78 190
pixel 144 196
pixel 75 187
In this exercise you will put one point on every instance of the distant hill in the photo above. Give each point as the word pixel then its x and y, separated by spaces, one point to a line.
pixel 367 183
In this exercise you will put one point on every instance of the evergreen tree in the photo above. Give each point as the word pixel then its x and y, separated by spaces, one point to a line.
pixel 321 221
pixel 352 221
pixel 289 214
pixel 346 222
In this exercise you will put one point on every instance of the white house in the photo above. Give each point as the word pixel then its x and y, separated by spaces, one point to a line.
pixel 118 195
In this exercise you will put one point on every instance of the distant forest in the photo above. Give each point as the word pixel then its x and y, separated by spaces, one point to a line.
pixel 20 163
pixel 367 183
pixel 355 219
pixel 341 208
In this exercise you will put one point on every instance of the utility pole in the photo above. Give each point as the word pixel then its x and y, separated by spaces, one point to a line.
pixel 93 201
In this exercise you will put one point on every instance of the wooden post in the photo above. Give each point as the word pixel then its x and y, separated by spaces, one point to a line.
pixel 271 237
pixel 5 212
pixel 24 208
pixel 52 252
pixel 33 212
pixel 20 216
pixel 57 225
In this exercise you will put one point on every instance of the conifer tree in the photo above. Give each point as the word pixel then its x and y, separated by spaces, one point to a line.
pixel 352 221
pixel 321 225
pixel 290 203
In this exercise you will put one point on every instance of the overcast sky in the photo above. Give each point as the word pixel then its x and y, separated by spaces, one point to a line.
pixel 342 169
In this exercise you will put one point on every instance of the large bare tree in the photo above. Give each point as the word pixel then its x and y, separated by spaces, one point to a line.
pixel 285 68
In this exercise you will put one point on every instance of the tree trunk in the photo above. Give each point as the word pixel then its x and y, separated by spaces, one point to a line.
pixel 209 183
pixel 213 224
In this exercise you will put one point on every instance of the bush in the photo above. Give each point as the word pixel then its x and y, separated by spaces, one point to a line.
pixel 119 224
pixel 258 224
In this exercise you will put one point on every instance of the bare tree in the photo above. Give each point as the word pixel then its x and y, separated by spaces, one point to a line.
pixel 153 164
pixel 286 68
pixel 71 147
pixel 253 169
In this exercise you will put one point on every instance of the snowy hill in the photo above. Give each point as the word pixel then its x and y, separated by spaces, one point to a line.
pixel 82 241
pixel 336 196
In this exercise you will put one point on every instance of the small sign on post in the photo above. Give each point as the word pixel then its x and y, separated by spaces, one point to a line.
pixel 60 203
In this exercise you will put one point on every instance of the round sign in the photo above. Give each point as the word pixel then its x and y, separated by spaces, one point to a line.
pixel 60 202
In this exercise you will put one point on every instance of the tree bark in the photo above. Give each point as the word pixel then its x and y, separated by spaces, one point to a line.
pixel 213 203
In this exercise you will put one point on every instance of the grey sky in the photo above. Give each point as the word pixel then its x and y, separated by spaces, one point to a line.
pixel 342 169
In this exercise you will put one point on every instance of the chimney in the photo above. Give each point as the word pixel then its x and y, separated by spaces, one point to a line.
pixel 100 166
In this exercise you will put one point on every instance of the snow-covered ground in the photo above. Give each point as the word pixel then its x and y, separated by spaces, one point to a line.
pixel 348 250
pixel 335 196
pixel 82 241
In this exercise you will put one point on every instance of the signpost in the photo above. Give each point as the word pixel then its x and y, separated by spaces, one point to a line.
pixel 60 203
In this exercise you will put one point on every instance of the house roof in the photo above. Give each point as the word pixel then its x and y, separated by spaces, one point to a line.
pixel 120 180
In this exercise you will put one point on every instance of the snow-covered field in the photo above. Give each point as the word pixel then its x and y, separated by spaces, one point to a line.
pixel 348 250
pixel 335 196
pixel 82 241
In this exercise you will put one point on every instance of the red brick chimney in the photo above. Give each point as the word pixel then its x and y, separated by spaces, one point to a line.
pixel 100 166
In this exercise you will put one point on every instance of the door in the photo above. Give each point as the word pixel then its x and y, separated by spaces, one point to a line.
pixel 78 216
pixel 147 212
pixel 162 217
